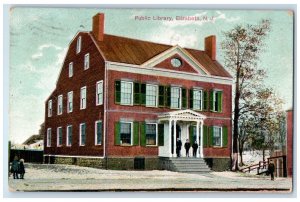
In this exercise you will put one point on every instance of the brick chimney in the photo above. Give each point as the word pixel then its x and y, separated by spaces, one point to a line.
pixel 210 46
pixel 98 26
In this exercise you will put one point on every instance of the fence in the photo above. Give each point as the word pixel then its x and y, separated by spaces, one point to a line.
pixel 29 156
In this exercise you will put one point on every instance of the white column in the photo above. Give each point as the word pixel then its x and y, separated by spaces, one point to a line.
pixel 197 138
pixel 201 143
pixel 170 137
pixel 174 140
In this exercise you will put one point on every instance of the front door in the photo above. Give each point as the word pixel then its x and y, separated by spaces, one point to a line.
pixel 178 135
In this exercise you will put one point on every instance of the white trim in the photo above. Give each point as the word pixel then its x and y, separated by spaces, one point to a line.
pixel 68 101
pixel 78 45
pixel 98 121
pixel 49 142
pixel 80 125
pixel 157 94
pixel 100 102
pixel 86 61
pixel 221 136
pixel 58 98
pixel 131 131
pixel 201 101
pixel 96 157
pixel 81 103
pixel 67 138
pixel 50 109
pixel 57 136
pixel 71 67
pixel 136 69
pixel 156 135
pixel 131 101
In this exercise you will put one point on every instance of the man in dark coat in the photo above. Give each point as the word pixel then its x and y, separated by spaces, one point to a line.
pixel 271 169
pixel 15 167
pixel 22 169
pixel 178 147
pixel 195 147
pixel 187 146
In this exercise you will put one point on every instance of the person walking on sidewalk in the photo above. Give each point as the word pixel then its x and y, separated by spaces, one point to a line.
pixel 22 169
pixel 271 169
pixel 15 167
pixel 187 146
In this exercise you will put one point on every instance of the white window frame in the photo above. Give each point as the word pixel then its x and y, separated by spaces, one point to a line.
pixel 86 63
pixel 221 137
pixel 60 97
pixel 98 121
pixel 81 101
pixel 201 101
pixel 131 102
pixel 78 45
pixel 179 97
pixel 70 101
pixel 156 131
pixel 80 125
pixel 67 132
pixel 156 101
pixel 131 133
pixel 57 136
pixel 99 102
pixel 71 69
pixel 49 137
pixel 50 109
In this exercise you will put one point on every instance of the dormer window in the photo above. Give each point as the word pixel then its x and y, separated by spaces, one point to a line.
pixel 78 46
pixel 176 62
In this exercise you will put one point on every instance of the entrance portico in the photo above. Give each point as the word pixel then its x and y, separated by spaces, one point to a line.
pixel 176 125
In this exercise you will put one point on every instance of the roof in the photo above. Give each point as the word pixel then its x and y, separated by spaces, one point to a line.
pixel 33 139
pixel 133 51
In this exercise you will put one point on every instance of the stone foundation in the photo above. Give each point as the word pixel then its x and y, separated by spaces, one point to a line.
pixel 218 164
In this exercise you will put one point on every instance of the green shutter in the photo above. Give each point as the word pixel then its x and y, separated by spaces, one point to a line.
pixel 99 133
pixel 225 136
pixel 191 132
pixel 191 98
pixel 211 101
pixel 168 95
pixel 143 134
pixel 211 136
pixel 205 135
pixel 183 98
pixel 161 96
pixel 205 101
pixel 143 94
pixel 117 133
pixel 161 134
pixel 136 93
pixel 117 92
pixel 219 96
pixel 135 133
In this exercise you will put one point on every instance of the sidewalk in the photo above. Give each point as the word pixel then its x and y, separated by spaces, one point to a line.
pixel 74 178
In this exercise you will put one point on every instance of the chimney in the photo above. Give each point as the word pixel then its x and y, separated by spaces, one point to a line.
pixel 210 46
pixel 98 26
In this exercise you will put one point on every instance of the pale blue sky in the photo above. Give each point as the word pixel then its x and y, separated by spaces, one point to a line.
pixel 39 39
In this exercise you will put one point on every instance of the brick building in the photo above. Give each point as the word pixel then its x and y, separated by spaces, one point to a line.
pixel 118 99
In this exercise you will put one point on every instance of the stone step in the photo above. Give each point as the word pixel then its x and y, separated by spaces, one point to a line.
pixel 182 166
pixel 193 170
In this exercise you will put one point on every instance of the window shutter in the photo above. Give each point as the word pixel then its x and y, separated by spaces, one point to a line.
pixel 161 134
pixel 183 98
pixel 99 133
pixel 117 133
pixel 143 134
pixel 220 97
pixel 191 132
pixel 211 136
pixel 205 101
pixel 135 133
pixel 205 136
pixel 225 136
pixel 143 94
pixel 136 94
pixel 161 96
pixel 168 95
pixel 117 92
pixel 191 98
pixel 211 101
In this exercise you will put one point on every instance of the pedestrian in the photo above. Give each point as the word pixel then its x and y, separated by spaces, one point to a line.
pixel 178 147
pixel 22 169
pixel 187 146
pixel 271 169
pixel 15 167
pixel 195 147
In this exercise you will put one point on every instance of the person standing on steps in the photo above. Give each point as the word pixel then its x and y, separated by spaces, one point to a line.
pixel 178 147
pixel 271 169
pixel 195 147
pixel 187 146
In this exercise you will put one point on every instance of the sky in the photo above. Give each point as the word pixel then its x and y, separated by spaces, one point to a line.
pixel 39 38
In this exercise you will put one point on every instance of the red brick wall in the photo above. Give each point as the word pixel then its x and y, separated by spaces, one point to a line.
pixel 289 142
pixel 89 115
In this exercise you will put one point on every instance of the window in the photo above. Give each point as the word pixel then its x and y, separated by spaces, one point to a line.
pixel 175 97
pixel 60 105
pixel 59 136
pixel 151 133
pixel 70 69
pixel 82 133
pixel 197 99
pixel 98 132
pixel 99 93
pixel 216 101
pixel 86 61
pixel 217 136
pixel 69 135
pixel 125 133
pixel 151 95
pixel 78 45
pixel 49 137
pixel 70 102
pixel 83 97
pixel 126 93
pixel 49 108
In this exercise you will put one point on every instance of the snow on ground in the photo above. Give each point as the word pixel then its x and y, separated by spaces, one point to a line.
pixel 253 157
